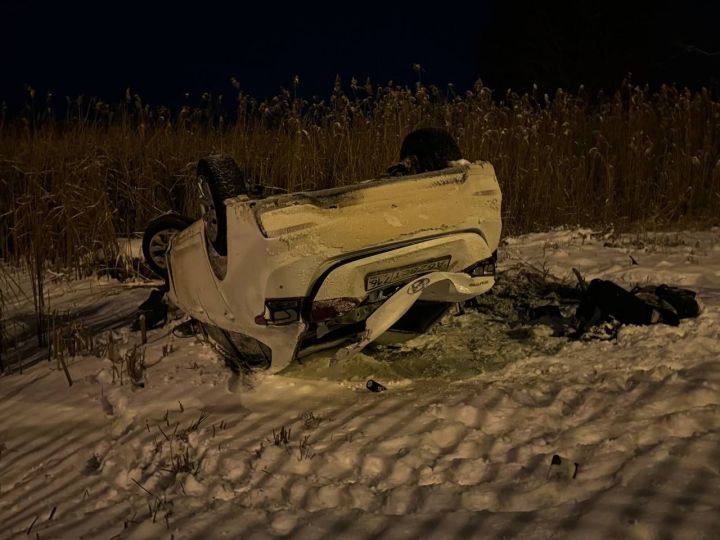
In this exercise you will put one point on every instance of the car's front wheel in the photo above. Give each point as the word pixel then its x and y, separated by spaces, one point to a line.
pixel 156 240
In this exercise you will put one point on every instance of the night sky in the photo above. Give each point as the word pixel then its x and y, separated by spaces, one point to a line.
pixel 164 51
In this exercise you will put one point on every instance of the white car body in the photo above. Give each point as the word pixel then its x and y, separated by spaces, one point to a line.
pixel 295 259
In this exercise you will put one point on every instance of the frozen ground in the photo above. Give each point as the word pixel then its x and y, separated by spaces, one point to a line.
pixel 452 452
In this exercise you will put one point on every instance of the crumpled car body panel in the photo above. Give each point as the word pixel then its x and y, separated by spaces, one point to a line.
pixel 338 246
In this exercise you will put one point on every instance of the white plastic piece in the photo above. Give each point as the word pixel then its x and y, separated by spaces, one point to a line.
pixel 437 286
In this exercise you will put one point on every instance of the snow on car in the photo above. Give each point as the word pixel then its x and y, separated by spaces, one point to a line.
pixel 274 279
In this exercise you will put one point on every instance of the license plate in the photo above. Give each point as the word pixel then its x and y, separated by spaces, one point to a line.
pixel 378 280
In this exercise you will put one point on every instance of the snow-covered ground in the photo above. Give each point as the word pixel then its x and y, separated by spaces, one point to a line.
pixel 467 453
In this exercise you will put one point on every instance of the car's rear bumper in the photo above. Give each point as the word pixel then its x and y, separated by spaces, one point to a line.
pixel 333 247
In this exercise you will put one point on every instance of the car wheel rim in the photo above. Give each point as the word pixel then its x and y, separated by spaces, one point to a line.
pixel 207 207
pixel 159 245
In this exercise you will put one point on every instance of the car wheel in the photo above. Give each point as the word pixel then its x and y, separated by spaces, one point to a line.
pixel 156 240
pixel 432 148
pixel 218 178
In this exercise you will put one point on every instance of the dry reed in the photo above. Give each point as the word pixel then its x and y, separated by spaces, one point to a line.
pixel 70 187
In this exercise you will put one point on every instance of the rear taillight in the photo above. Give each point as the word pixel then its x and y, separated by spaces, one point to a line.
pixel 486 267
pixel 280 311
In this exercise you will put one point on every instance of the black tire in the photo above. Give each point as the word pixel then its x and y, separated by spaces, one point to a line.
pixel 222 177
pixel 432 148
pixel 156 237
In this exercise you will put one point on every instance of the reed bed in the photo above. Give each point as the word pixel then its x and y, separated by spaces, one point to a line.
pixel 72 182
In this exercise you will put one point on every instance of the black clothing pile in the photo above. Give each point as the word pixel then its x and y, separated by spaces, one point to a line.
pixel 524 297
pixel 642 305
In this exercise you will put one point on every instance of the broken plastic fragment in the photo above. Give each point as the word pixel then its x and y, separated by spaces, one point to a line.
pixel 436 286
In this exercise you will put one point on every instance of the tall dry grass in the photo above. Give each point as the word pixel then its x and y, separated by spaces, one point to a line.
pixel 70 186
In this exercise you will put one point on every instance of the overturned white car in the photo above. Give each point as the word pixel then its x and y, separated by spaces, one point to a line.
pixel 274 279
